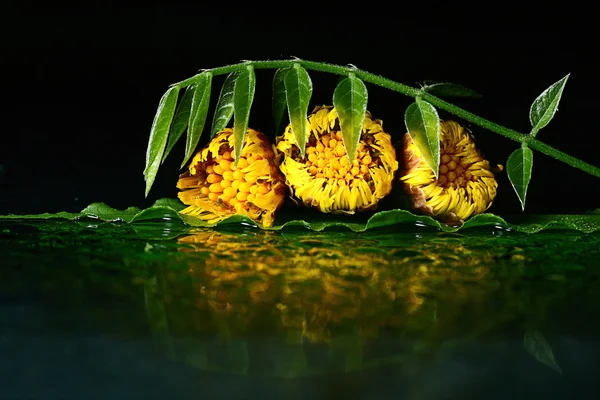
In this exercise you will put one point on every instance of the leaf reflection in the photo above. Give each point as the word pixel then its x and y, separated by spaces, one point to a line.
pixel 535 343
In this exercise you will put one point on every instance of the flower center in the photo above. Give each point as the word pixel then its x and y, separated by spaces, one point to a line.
pixel 327 158
pixel 454 171
pixel 227 184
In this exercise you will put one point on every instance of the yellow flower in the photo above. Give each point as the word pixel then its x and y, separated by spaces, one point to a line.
pixel 324 179
pixel 466 184
pixel 214 188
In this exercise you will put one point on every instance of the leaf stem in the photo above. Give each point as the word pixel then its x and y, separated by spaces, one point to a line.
pixel 514 135
pixel 408 91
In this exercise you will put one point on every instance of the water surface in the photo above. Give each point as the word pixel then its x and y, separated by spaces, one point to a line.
pixel 100 310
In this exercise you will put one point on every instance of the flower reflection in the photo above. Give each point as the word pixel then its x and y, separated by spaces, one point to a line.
pixel 317 283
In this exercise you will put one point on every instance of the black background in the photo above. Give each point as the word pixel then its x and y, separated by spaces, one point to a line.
pixel 81 86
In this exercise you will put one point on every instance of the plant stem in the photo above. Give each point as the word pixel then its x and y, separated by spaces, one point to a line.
pixel 412 92
pixel 514 135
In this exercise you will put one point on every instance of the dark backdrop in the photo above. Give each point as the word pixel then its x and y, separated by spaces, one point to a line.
pixel 82 84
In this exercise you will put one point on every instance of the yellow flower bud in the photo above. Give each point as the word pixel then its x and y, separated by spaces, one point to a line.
pixel 211 187
pixel 325 179
pixel 465 186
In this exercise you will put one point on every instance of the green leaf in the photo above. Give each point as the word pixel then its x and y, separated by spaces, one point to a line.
pixel 350 101
pixel 159 134
pixel 224 109
pixel 175 204
pixel 446 89
pixel 298 90
pixel 243 95
pixel 180 122
pixel 518 168
pixel 106 213
pixel 535 343
pixel 423 125
pixel 167 210
pixel 198 113
pixel 279 102
pixel 545 106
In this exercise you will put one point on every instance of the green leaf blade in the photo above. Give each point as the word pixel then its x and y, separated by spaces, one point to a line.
pixel 159 134
pixel 180 121
pixel 224 109
pixel 423 125
pixel 279 102
pixel 518 168
pixel 298 91
pixel 350 99
pixel 545 105
pixel 198 113
pixel 243 95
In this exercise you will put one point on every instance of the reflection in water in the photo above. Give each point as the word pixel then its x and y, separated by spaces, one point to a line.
pixel 349 293
pixel 441 315
pixel 317 283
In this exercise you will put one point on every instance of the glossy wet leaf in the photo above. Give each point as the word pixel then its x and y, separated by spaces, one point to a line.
pixel 166 210
pixel 107 213
pixel 224 108
pixel 446 89
pixel 545 105
pixel 350 101
pixel 535 343
pixel 423 125
pixel 159 134
pixel 518 168
pixel 197 117
pixel 298 91
pixel 243 95
pixel 279 102
pixel 180 121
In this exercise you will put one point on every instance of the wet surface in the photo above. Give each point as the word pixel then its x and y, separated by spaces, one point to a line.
pixel 99 310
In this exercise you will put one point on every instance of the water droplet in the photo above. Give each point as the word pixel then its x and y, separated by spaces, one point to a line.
pixel 503 228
